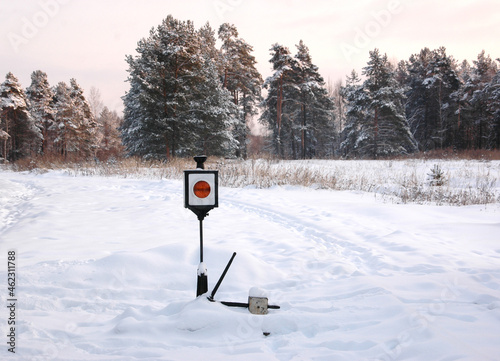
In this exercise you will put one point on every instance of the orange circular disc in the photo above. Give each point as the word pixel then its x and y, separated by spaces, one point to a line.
pixel 201 189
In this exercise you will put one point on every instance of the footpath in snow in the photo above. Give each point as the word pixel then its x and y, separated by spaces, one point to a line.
pixel 106 270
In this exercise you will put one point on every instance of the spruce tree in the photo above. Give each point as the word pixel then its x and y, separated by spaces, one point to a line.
pixel 379 124
pixel 386 130
pixel 18 131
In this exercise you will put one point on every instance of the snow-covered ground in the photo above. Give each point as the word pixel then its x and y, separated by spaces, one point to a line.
pixel 106 270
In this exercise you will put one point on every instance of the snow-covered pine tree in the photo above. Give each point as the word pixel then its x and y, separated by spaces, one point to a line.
pixel 242 79
pixel 418 98
pixel 432 81
pixel 166 78
pixel 463 137
pixel 161 78
pixel 476 116
pixel 386 114
pixel 383 129
pixel 446 82
pixel 18 132
pixel 493 94
pixel 40 96
pixel 314 107
pixel 66 140
pixel 135 134
pixel 355 98
pixel 401 73
pixel 84 121
pixel 276 115
pixel 213 115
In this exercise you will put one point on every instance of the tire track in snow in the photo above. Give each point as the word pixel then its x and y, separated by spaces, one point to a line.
pixel 364 259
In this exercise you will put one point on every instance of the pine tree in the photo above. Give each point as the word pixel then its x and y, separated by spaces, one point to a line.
pixel 418 102
pixel 446 82
pixel 136 137
pixel 355 99
pixel 242 79
pixel 66 140
pixel 213 116
pixel 476 114
pixel 314 107
pixel 493 93
pixel 298 109
pixel 84 121
pixel 18 131
pixel 431 108
pixel 161 77
pixel 401 74
pixel 40 96
pixel 165 78
pixel 276 116
pixel 463 136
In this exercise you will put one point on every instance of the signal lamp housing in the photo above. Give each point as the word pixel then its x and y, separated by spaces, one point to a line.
pixel 201 192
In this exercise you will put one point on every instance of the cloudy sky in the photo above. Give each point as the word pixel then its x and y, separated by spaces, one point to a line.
pixel 88 40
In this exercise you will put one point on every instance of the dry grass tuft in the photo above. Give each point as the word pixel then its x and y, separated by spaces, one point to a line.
pixel 437 181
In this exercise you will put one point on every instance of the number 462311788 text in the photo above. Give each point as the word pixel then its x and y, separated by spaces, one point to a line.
pixel 11 268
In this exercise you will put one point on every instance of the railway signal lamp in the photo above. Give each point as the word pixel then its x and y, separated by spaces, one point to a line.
pixel 201 194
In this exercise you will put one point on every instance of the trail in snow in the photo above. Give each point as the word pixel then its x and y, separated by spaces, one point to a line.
pixel 107 271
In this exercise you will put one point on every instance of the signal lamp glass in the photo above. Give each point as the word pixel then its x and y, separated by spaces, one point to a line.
pixel 201 189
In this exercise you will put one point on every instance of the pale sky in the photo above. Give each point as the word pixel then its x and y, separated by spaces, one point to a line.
pixel 88 40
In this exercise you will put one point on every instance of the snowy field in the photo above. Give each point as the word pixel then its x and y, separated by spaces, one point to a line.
pixel 106 270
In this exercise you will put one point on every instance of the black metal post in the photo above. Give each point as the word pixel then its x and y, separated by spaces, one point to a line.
pixel 201 240
pixel 202 286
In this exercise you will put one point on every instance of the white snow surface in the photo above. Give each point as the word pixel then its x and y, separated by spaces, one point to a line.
pixel 257 292
pixel 106 269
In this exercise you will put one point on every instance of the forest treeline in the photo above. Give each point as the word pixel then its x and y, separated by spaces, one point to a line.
pixel 55 120
pixel 196 91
